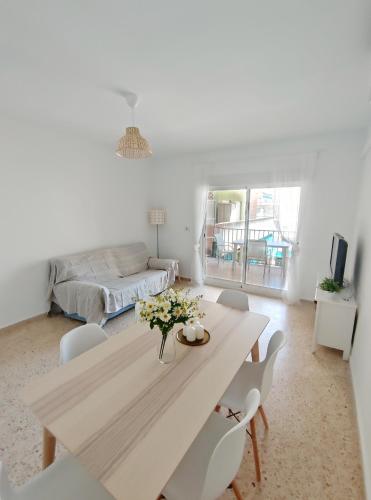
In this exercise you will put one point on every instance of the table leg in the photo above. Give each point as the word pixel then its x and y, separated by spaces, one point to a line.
pixel 49 442
pixel 255 354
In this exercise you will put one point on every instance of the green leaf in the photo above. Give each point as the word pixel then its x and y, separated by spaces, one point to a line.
pixel 330 285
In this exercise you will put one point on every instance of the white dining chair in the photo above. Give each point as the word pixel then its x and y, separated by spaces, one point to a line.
pixel 234 298
pixel 65 479
pixel 79 340
pixel 212 462
pixel 254 375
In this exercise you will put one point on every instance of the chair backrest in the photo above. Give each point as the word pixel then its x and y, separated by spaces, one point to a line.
pixel 257 249
pixel 219 239
pixel 79 340
pixel 277 341
pixel 6 491
pixel 234 298
pixel 227 456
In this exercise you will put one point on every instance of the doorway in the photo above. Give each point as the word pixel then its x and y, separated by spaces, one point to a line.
pixel 249 234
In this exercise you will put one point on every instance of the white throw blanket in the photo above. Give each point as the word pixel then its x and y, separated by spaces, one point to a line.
pixel 101 282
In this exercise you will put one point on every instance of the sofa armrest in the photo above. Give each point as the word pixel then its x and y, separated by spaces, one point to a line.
pixel 169 265
pixel 165 264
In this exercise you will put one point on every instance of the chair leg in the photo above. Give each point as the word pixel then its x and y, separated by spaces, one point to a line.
pixel 236 490
pixel 255 449
pixel 49 443
pixel 264 417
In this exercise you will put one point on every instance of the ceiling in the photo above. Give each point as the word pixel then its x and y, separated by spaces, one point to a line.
pixel 210 73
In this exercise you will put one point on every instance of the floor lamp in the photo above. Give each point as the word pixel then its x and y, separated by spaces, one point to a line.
pixel 157 216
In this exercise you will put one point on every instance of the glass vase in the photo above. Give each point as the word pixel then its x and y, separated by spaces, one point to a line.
pixel 166 348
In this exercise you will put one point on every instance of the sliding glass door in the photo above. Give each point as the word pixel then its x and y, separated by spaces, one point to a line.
pixel 225 233
pixel 249 234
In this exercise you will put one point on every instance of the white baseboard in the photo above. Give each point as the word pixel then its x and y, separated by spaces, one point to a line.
pixel 366 466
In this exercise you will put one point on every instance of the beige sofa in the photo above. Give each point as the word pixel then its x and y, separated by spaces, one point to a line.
pixel 97 285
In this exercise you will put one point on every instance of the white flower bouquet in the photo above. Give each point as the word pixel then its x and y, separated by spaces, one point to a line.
pixel 167 309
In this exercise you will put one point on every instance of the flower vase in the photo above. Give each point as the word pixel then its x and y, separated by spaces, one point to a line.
pixel 166 348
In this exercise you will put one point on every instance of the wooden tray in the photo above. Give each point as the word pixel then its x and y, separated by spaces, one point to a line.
pixel 183 339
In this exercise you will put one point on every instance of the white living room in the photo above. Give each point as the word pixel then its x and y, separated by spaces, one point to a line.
pixel 186 250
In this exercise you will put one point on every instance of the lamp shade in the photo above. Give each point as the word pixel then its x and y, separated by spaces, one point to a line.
pixel 157 216
pixel 133 146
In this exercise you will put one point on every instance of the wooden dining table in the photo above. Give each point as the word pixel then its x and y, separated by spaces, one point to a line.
pixel 129 419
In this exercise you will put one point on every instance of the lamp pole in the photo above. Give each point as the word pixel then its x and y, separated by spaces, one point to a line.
pixel 157 216
pixel 158 251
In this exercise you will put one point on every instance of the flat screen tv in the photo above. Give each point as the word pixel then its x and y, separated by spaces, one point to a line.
pixel 338 257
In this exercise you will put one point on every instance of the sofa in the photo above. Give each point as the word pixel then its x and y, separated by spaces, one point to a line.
pixel 97 285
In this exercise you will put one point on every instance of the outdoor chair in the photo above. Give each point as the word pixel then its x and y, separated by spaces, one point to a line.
pixel 224 250
pixel 257 253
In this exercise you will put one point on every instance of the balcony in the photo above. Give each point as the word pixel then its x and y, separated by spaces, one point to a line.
pixel 229 264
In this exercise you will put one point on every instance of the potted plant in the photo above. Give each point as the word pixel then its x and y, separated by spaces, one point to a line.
pixel 330 285
pixel 164 311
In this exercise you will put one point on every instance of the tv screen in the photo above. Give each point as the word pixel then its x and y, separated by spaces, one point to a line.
pixel 338 258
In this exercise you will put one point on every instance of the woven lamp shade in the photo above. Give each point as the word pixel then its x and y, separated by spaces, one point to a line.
pixel 133 146
pixel 157 216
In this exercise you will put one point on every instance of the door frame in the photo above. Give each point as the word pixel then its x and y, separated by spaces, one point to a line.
pixel 242 284
pixel 209 280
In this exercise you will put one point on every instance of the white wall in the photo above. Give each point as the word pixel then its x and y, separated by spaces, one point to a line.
pixel 62 193
pixel 361 353
pixel 59 193
pixel 331 205
pixel 172 188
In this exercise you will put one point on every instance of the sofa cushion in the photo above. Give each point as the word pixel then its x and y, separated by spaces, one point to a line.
pixel 93 265
pixel 126 290
pixel 130 259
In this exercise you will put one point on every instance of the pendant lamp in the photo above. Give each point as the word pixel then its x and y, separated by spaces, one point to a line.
pixel 132 145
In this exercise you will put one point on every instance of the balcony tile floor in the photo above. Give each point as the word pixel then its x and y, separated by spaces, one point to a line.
pixel 273 277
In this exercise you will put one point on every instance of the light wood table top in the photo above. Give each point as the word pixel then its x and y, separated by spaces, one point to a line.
pixel 129 419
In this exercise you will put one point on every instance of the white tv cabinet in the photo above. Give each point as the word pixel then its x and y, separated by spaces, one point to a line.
pixel 334 323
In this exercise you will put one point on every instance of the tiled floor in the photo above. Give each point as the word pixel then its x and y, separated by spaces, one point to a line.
pixel 310 452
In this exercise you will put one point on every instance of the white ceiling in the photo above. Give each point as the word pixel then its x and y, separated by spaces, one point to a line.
pixel 211 73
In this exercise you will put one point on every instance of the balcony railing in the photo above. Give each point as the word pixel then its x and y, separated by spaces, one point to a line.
pixel 235 231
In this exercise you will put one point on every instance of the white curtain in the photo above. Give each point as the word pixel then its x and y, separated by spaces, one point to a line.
pixel 199 206
pixel 291 292
pixel 304 172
